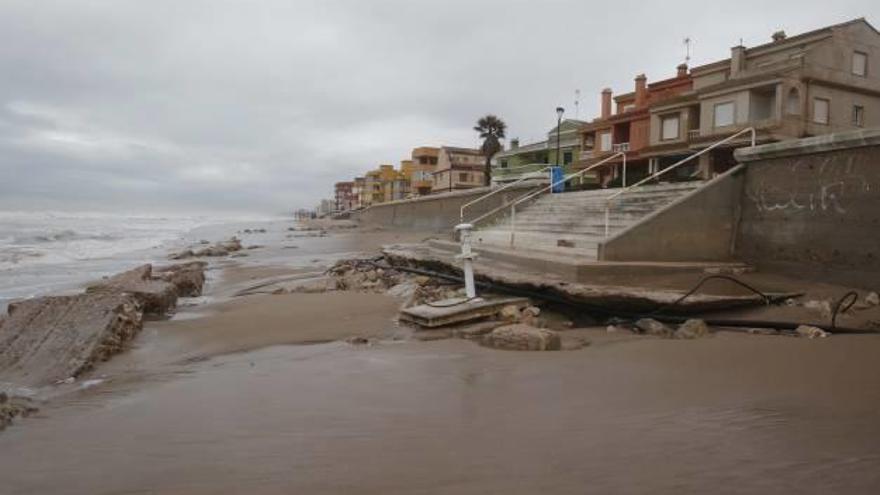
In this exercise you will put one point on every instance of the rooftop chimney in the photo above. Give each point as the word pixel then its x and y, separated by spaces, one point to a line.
pixel 606 103
pixel 514 143
pixel 737 60
pixel 641 90
pixel 681 70
pixel 779 36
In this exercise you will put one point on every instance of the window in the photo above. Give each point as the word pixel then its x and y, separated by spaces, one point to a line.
pixel 793 103
pixel 503 163
pixel 566 158
pixel 462 177
pixel 858 116
pixel 724 114
pixel 669 127
pixel 628 107
pixel 820 110
pixel 605 141
pixel 860 64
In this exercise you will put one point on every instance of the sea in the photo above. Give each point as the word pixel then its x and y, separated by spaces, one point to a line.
pixel 58 252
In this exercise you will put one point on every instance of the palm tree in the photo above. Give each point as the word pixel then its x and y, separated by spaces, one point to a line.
pixel 491 130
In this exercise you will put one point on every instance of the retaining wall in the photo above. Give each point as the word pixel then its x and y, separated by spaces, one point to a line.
pixel 437 212
pixel 811 208
pixel 697 227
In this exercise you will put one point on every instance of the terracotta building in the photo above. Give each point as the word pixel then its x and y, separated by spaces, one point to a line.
pixel 458 168
pixel 344 196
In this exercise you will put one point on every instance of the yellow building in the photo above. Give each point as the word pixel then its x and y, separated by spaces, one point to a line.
pixel 424 164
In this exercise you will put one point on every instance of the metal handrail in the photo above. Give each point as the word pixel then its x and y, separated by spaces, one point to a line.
pixel 554 184
pixel 671 167
pixel 496 191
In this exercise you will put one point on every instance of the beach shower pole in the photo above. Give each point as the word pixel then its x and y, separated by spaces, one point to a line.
pixel 467 256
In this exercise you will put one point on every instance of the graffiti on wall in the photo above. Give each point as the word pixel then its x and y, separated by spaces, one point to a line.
pixel 826 188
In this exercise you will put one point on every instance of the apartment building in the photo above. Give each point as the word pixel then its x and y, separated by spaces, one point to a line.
pixel 819 82
pixel 357 191
pixel 344 196
pixel 822 81
pixel 624 125
pixel 424 164
pixel 458 168
pixel 518 161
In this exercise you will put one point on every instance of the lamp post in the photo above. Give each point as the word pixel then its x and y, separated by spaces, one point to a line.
pixel 559 112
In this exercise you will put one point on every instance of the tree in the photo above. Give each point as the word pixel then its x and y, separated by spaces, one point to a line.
pixel 491 130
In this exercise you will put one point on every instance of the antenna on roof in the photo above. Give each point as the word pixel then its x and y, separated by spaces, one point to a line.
pixel 577 104
pixel 687 45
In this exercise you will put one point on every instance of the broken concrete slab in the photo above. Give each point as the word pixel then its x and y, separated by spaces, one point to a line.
pixel 452 311
pixel 188 278
pixel 157 297
pixel 609 297
pixel 48 339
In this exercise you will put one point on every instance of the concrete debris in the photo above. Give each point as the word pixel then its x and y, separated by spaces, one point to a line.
pixel 357 340
pixel 811 332
pixel 52 338
pixel 188 278
pixel 692 329
pixel 510 313
pixel 156 296
pixel 873 299
pixel 12 407
pixel 651 326
pixel 520 337
pixel 223 248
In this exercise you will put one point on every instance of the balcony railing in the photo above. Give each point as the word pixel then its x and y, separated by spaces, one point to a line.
pixel 620 147
pixel 693 134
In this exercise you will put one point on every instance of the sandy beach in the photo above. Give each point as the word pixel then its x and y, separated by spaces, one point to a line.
pixel 260 393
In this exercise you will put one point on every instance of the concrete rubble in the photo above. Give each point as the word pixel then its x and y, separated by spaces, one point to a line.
pixel 12 407
pixel 50 339
pixel 223 248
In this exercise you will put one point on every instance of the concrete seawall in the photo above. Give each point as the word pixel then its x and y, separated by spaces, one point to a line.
pixel 437 212
pixel 698 227
pixel 811 208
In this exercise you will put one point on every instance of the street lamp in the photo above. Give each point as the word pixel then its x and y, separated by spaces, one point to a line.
pixel 559 112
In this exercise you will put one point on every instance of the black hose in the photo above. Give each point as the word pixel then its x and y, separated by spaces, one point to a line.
pixel 767 299
pixel 838 307
pixel 779 325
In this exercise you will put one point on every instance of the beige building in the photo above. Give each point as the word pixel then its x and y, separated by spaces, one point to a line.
pixel 822 81
pixel 458 168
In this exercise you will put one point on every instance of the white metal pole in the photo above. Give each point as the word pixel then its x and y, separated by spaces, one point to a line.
pixel 467 256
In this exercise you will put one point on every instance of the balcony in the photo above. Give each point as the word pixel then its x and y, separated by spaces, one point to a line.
pixel 693 134
pixel 620 147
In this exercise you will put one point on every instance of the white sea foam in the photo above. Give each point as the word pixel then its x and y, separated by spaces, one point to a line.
pixel 53 251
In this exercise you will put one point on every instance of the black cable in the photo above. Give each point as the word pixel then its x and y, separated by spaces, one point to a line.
pixel 838 307
pixel 767 299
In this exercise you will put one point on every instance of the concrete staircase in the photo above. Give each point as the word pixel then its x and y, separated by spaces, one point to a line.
pixel 574 222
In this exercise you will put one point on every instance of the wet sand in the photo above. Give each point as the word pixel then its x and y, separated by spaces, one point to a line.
pixel 224 404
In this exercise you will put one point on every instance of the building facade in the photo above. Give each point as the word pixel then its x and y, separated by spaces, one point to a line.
pixel 424 164
pixel 345 196
pixel 518 162
pixel 458 168
pixel 815 83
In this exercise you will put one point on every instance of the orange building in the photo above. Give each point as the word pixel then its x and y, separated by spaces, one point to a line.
pixel 628 128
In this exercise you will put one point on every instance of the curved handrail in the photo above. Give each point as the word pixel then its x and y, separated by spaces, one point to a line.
pixel 496 191
pixel 675 165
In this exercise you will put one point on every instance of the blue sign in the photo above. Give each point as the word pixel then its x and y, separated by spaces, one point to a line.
pixel 556 177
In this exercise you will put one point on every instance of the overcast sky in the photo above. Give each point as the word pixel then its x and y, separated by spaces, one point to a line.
pixel 260 106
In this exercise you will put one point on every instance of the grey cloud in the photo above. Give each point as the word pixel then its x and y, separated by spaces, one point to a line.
pixel 206 105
